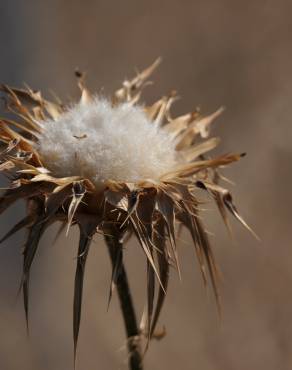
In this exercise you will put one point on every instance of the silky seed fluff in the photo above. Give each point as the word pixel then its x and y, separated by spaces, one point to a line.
pixel 100 142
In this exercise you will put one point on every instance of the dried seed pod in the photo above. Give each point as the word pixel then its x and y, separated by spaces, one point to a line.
pixel 140 180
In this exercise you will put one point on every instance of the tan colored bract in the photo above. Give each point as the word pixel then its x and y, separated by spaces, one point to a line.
pixel 149 209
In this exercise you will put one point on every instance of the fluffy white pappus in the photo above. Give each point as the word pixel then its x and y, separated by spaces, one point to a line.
pixel 101 142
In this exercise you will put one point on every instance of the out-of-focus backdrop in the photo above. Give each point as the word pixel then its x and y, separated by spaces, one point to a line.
pixel 231 53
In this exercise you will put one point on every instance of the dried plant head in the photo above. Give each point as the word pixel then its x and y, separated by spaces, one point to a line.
pixel 114 167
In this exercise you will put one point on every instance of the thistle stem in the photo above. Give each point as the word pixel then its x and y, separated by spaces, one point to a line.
pixel 127 307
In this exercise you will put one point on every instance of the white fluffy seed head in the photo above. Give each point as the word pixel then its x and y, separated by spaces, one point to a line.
pixel 101 142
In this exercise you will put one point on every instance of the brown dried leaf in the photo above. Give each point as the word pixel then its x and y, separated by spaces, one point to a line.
pixel 165 206
pixel 179 124
pixel 78 191
pixel 200 126
pixel 35 233
pixel 86 232
pixel 25 222
pixel 196 150
pixel 163 263
pixel 190 169
pixel 129 90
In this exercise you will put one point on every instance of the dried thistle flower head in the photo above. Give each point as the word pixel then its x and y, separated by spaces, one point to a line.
pixel 117 168
pixel 100 142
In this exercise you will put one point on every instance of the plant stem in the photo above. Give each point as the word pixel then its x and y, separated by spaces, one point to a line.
pixel 126 303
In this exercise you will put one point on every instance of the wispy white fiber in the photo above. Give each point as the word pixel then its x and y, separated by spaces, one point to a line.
pixel 101 142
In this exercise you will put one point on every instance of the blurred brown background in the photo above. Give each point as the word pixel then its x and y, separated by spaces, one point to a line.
pixel 231 53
